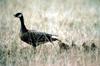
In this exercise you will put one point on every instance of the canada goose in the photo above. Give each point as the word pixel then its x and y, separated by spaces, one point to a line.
pixel 33 37
pixel 63 46
pixel 74 45
pixel 93 47
pixel 85 47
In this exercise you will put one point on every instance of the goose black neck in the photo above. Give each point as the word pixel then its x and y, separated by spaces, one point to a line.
pixel 23 28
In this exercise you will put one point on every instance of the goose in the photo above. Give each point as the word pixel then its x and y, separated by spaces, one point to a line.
pixel 63 47
pixel 73 45
pixel 85 47
pixel 93 47
pixel 33 37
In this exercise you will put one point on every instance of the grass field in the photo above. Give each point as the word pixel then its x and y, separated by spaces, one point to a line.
pixel 71 20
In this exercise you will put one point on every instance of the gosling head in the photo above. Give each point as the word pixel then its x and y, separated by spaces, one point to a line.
pixel 18 15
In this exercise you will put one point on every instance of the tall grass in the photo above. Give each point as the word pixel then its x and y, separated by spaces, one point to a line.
pixel 71 20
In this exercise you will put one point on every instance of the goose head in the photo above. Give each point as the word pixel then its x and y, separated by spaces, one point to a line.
pixel 18 15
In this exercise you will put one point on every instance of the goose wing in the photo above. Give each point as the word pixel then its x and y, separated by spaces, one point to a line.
pixel 42 36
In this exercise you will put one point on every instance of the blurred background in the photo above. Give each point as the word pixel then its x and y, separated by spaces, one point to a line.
pixel 71 20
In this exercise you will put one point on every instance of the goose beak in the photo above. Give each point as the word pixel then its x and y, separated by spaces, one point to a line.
pixel 14 15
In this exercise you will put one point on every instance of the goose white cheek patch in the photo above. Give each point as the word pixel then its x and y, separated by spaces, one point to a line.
pixel 20 15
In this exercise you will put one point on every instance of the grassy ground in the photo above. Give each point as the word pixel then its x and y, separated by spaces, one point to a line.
pixel 71 20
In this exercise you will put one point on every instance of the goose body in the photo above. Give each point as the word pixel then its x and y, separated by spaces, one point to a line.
pixel 73 45
pixel 93 47
pixel 32 36
pixel 85 47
